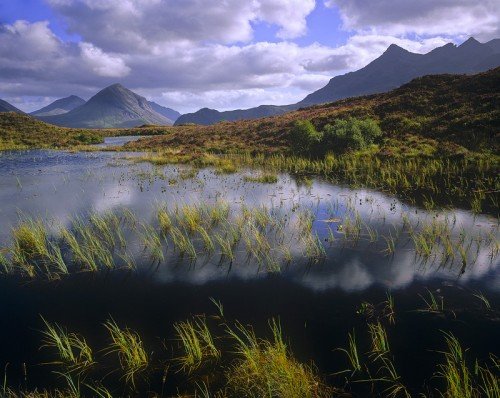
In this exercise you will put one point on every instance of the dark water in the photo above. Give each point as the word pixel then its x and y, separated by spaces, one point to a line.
pixel 316 303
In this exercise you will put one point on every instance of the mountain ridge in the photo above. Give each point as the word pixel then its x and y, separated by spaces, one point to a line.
pixel 395 67
pixel 6 107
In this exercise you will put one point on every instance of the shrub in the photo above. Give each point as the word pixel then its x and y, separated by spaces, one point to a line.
pixel 350 134
pixel 304 137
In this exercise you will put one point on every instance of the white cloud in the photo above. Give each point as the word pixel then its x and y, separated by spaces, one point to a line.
pixel 149 25
pixel 195 53
pixel 424 17
pixel 103 64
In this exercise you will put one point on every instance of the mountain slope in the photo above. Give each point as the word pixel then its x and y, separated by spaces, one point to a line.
pixel 60 106
pixel 114 106
pixel 169 113
pixel 396 66
pixel 443 111
pixel 6 107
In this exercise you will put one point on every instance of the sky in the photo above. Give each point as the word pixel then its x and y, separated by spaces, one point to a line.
pixel 221 54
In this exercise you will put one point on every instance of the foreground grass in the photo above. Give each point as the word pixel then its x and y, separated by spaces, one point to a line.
pixel 258 367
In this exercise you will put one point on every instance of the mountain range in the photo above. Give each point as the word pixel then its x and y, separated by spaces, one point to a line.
pixel 114 106
pixel 396 66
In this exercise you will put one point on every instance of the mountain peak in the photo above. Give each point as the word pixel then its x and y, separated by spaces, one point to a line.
pixel 470 42
pixel 394 48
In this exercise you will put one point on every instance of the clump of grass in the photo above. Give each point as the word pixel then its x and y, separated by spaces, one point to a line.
pixel 265 368
pixel 129 348
pixel 197 343
pixel 454 371
pixel 389 311
pixel 226 166
pixel 265 178
pixel 73 351
pixel 432 303
pixel 352 354
pixel 30 244
pixel 379 340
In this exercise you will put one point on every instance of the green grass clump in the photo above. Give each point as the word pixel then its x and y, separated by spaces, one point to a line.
pixel 129 348
pixel 197 343
pixel 73 351
pixel 265 178
pixel 265 368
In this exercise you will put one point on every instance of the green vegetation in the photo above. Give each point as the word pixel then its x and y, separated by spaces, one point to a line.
pixel 18 131
pixel 265 368
pixel 73 351
pixel 129 348
pixel 197 343
pixel 350 134
pixel 249 366
pixel 270 238
pixel 304 138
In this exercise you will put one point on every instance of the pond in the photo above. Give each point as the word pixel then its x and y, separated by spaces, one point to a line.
pixel 168 239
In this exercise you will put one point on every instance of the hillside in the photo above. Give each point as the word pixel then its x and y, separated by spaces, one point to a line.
pixel 6 107
pixel 114 106
pixel 460 110
pixel 393 68
pixel 60 106
pixel 19 131
pixel 208 116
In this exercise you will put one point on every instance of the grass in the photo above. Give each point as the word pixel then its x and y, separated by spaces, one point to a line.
pixel 455 371
pixel 352 354
pixel 267 237
pixel 379 340
pixel 432 303
pixel 197 343
pixel 248 366
pixel 129 348
pixel 266 369
pixel 265 178
pixel 73 351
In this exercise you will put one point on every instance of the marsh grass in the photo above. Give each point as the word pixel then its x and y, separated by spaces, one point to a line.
pixel 352 354
pixel 432 303
pixel 265 368
pixel 379 340
pixel 72 349
pixel 197 343
pixel 130 351
pixel 265 178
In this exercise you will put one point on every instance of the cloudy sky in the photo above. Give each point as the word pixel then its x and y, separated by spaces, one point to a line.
pixel 223 54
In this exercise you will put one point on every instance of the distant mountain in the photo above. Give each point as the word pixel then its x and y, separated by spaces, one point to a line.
pixel 395 67
pixel 114 106
pixel 169 113
pixel 207 116
pixel 60 106
pixel 6 107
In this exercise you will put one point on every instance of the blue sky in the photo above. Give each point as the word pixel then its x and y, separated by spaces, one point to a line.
pixel 189 54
